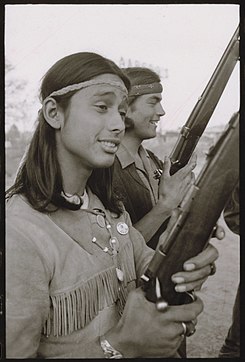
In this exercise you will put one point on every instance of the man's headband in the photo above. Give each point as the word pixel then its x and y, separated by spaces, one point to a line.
pixel 86 84
pixel 138 90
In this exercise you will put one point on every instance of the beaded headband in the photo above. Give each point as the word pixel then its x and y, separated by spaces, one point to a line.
pixel 138 90
pixel 86 84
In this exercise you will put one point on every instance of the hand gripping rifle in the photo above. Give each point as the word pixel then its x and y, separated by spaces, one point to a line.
pixel 204 108
pixel 197 217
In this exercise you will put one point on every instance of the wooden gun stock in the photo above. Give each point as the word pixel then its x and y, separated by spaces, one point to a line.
pixel 205 106
pixel 198 215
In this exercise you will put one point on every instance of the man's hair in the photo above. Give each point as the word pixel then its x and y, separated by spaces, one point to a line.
pixel 138 76
pixel 39 177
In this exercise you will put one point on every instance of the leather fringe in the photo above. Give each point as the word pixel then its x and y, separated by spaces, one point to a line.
pixel 73 310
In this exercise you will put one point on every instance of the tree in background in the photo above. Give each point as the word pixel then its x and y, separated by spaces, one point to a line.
pixel 18 100
pixel 19 106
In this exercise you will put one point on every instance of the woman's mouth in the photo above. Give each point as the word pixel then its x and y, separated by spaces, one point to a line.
pixel 109 146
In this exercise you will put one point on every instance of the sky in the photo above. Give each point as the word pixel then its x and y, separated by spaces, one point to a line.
pixel 185 42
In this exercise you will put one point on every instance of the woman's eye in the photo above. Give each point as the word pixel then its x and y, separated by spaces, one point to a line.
pixel 123 115
pixel 102 107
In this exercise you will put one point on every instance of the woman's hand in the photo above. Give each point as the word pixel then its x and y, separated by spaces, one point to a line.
pixel 199 268
pixel 143 331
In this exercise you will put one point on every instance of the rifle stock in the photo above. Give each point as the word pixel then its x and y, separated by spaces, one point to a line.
pixel 205 106
pixel 197 216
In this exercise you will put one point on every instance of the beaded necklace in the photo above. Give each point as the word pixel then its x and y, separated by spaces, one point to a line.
pixel 113 246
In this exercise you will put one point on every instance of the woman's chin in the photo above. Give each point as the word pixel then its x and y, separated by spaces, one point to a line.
pixel 106 162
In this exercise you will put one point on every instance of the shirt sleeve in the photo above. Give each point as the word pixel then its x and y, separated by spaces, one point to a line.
pixel 27 293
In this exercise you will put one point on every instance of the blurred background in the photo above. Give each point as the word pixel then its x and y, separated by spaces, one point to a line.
pixel 183 43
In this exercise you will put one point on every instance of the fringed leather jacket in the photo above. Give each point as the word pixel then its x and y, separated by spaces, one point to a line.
pixel 63 287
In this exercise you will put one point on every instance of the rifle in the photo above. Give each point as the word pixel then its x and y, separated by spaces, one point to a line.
pixel 205 106
pixel 202 112
pixel 197 216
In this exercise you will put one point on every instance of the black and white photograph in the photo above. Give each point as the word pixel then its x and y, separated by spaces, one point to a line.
pixel 122 181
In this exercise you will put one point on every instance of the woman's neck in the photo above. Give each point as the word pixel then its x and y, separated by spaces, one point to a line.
pixel 74 179
pixel 72 188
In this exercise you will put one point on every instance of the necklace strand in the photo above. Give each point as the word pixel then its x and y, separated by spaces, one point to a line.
pixel 113 242
pixel 113 247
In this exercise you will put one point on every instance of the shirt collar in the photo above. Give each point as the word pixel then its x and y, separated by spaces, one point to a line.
pixel 125 157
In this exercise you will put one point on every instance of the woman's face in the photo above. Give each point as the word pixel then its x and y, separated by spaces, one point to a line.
pixel 93 125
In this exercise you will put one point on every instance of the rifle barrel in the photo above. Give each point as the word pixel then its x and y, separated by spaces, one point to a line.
pixel 205 106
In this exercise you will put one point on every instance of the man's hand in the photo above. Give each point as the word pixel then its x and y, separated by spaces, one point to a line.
pixel 173 188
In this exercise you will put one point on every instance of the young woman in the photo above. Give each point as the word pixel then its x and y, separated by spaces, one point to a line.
pixel 73 257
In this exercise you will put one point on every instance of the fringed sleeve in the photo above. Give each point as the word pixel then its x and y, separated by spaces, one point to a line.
pixel 27 294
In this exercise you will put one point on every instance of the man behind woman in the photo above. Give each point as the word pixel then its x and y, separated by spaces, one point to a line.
pixel 148 200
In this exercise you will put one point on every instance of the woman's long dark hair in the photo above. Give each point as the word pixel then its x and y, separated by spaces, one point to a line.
pixel 39 177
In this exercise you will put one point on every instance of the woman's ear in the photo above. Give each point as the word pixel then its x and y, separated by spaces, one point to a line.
pixel 51 113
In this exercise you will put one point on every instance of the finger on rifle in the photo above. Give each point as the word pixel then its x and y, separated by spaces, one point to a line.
pixel 190 180
pixel 193 285
pixel 194 321
pixel 183 172
pixel 193 178
pixel 184 277
pixel 206 257
pixel 167 166
pixel 193 160
pixel 218 232
pixel 184 312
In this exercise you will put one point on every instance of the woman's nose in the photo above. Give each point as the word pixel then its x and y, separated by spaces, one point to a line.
pixel 116 123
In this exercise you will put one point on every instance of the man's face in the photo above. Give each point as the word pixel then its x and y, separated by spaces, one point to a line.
pixel 145 112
